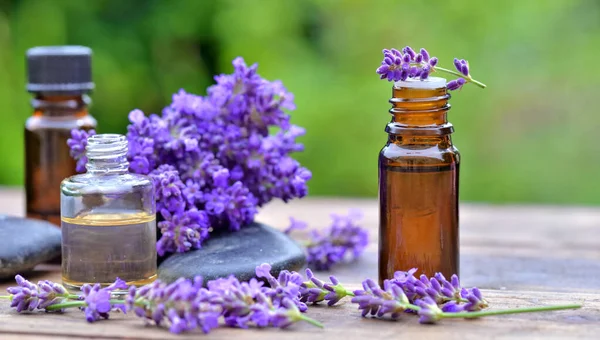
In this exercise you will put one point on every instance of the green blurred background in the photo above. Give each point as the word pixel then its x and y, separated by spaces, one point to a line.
pixel 531 136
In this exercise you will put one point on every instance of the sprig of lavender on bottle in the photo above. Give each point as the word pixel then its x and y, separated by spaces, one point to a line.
pixel 402 65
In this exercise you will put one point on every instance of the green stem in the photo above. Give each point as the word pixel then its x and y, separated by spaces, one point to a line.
pixel 469 79
pixel 349 293
pixel 507 311
pixel 74 304
pixel 72 296
pixel 68 304
pixel 311 321
pixel 6 297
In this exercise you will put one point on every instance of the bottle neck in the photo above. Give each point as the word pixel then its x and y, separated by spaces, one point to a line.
pixel 419 112
pixel 107 154
pixel 60 105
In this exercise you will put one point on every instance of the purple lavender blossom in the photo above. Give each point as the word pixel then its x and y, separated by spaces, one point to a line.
pixel 295 225
pixel 98 304
pixel 429 311
pixel 314 290
pixel 399 66
pixel 241 126
pixel 456 84
pixel 25 295
pixel 77 144
pixel 286 285
pixel 182 231
pixel 374 300
pixel 344 237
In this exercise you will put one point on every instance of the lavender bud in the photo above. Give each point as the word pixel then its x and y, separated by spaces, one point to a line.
pixel 406 58
pixel 425 55
pixel 410 52
pixel 388 61
pixel 455 84
pixel 425 72
pixel 464 69
pixel 433 61
pixel 418 58
pixel 396 52
pixel 457 64
pixel 397 61
pixel 403 74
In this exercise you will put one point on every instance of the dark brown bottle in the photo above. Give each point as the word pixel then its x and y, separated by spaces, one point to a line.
pixel 418 183
pixel 59 77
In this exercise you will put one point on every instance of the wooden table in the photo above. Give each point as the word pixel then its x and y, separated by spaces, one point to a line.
pixel 519 255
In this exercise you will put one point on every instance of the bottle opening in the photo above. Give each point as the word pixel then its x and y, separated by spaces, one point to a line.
pixel 429 83
pixel 106 146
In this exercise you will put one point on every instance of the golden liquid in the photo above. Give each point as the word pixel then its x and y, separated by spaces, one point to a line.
pixel 98 248
pixel 419 220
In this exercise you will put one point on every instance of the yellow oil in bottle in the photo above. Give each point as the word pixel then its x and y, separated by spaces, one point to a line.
pixel 98 248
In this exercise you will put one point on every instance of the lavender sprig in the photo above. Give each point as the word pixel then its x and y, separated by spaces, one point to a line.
pixel 402 65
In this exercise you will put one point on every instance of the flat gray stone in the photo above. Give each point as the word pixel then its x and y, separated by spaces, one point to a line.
pixel 236 253
pixel 25 243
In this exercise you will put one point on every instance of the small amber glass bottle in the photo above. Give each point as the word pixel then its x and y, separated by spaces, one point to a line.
pixel 108 219
pixel 418 183
pixel 59 77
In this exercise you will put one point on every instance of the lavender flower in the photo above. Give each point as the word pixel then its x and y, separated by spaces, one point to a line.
pixel 183 305
pixel 374 300
pixel 456 84
pixel 77 144
pixel 344 237
pixel 196 138
pixel 314 290
pixel 25 295
pixel 399 66
pixel 286 285
pixel 429 311
pixel 98 300
pixel 182 231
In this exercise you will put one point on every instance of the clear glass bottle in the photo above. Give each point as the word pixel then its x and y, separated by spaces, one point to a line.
pixel 108 219
pixel 59 77
pixel 418 183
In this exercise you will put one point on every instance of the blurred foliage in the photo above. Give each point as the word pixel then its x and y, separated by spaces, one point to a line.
pixel 530 136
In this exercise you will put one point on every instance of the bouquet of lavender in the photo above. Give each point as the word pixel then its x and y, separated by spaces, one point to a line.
pixel 212 158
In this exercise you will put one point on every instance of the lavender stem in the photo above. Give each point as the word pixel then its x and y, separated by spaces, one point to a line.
pixel 468 79
pixel 508 311
pixel 69 304
pixel 311 321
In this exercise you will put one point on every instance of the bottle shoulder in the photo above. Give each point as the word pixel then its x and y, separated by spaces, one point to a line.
pixel 38 122
pixel 89 183
pixel 413 154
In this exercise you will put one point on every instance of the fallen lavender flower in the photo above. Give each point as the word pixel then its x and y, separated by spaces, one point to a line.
pixel 287 285
pixel 98 301
pixel 314 290
pixel 27 296
pixel 344 237
pixel 402 65
pixel 393 300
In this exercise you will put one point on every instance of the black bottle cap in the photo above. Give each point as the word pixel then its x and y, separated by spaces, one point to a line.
pixel 59 69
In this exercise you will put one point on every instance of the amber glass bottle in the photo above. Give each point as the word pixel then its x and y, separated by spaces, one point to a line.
pixel 59 77
pixel 418 183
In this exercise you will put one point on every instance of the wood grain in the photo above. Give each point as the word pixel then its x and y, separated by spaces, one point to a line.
pixel 521 256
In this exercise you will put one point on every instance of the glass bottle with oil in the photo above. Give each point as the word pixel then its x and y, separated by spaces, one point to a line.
pixel 59 78
pixel 418 183
pixel 108 219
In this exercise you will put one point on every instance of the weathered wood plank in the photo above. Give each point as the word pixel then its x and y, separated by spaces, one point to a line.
pixel 344 322
pixel 524 256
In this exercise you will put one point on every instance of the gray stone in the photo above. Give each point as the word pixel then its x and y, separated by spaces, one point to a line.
pixel 25 243
pixel 236 253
